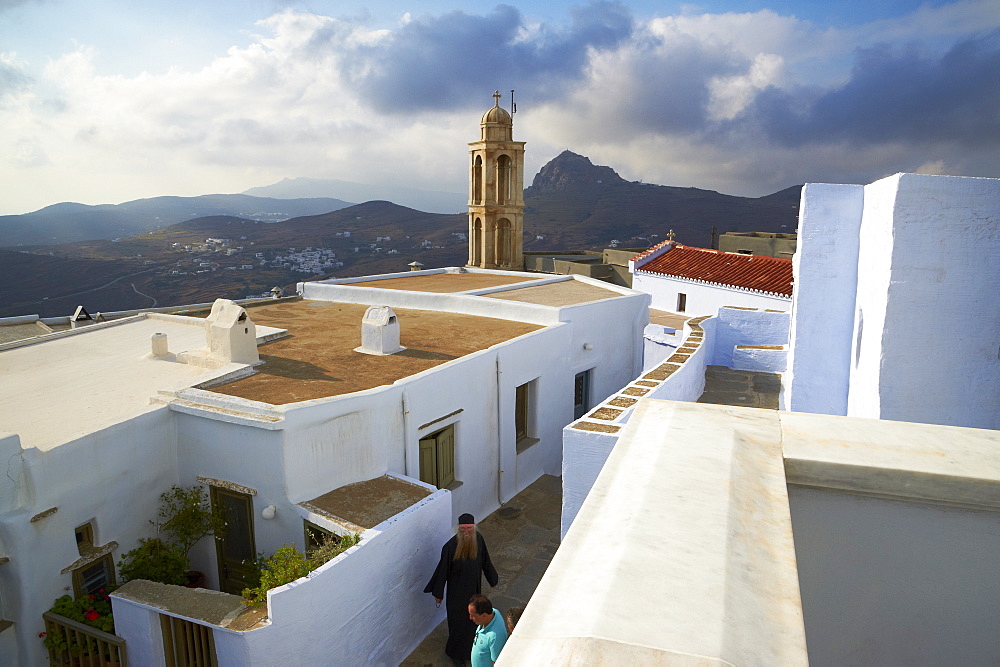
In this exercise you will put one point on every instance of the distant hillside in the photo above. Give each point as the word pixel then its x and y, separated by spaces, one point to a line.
pixel 176 265
pixel 574 204
pixel 422 200
pixel 69 222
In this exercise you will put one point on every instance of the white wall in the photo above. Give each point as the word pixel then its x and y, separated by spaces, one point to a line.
pixel 702 298
pixel 928 262
pixel 585 452
pixel 584 455
pixel 889 582
pixel 366 606
pixel 112 477
pixel 825 267
pixel 736 326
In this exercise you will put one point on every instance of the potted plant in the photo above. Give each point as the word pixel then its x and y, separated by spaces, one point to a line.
pixel 184 518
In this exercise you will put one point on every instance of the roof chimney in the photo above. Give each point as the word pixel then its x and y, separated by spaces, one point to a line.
pixel 379 332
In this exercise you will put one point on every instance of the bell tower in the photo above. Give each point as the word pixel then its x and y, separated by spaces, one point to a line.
pixel 496 194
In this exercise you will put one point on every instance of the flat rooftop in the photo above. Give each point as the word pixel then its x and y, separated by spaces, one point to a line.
pixel 562 293
pixel 366 504
pixel 61 389
pixel 318 359
pixel 700 495
pixel 444 282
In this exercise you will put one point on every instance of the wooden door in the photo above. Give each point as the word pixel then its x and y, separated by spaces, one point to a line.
pixel 235 547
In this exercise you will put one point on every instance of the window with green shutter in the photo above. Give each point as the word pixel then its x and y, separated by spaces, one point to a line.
pixel 437 458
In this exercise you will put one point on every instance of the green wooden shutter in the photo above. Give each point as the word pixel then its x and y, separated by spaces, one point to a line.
pixel 428 461
pixel 446 457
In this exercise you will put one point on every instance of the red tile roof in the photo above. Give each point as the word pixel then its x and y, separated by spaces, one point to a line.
pixel 751 272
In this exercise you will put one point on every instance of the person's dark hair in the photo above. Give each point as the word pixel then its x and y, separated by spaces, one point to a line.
pixel 514 615
pixel 481 604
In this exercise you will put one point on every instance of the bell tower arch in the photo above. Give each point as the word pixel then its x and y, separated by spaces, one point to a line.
pixel 496 193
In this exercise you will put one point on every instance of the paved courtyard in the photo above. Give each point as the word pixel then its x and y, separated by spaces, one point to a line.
pixel 522 537
pixel 750 389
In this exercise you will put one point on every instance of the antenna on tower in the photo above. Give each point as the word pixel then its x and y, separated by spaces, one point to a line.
pixel 513 106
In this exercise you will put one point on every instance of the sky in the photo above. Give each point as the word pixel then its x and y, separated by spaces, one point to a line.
pixel 104 101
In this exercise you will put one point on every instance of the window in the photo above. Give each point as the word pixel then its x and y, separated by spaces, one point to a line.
pixel 316 536
pixel 477 181
pixel 92 577
pixel 477 243
pixel 524 417
pixel 437 458
pixel 503 180
pixel 503 257
pixel 581 394
pixel 85 538
pixel 682 300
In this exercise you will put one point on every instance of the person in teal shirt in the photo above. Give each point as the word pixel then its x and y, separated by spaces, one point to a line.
pixel 491 633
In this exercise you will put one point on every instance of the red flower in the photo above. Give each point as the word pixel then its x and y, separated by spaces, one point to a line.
pixel 41 634
pixel 91 615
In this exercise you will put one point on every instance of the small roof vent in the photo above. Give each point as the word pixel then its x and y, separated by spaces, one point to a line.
pixel 379 332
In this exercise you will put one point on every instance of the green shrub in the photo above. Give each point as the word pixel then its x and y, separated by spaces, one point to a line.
pixel 154 560
pixel 186 516
pixel 288 564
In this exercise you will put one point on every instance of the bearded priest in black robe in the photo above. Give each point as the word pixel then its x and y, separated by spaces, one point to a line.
pixel 464 559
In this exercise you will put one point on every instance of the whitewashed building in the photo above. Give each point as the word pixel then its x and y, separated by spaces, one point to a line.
pixel 100 420
pixel 782 537
pixel 896 307
pixel 699 281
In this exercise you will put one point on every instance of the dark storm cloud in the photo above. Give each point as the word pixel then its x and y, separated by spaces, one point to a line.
pixel 897 97
pixel 433 62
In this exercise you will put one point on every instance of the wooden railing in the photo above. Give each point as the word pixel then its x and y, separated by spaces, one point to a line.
pixel 85 646
pixel 187 644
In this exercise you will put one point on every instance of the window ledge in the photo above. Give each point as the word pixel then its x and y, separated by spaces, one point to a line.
pixel 525 443
pixel 454 486
pixel 95 555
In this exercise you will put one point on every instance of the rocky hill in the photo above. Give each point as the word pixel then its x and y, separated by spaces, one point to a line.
pixel 574 204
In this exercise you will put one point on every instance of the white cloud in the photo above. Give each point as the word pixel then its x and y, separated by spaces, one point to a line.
pixel 743 103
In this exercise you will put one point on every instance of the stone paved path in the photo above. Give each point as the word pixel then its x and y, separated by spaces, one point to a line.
pixel 522 537
pixel 724 386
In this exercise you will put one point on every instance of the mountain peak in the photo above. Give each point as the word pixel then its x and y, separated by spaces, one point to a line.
pixel 571 170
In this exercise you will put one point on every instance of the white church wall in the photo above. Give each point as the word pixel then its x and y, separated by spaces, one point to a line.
pixel 885 581
pixel 928 258
pixel 742 326
pixel 113 478
pixel 702 298
pixel 337 614
pixel 825 267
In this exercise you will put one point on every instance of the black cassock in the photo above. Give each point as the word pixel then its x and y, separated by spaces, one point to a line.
pixel 463 579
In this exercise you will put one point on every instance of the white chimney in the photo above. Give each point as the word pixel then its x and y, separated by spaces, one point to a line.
pixel 379 332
